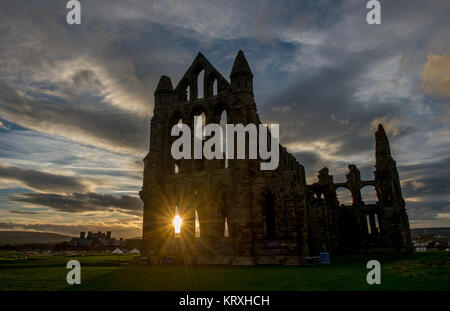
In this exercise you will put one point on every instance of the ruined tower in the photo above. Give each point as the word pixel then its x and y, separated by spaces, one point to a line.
pixel 232 212
pixel 389 193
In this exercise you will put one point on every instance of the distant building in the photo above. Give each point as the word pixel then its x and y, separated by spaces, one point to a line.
pixel 97 241
pixel 425 237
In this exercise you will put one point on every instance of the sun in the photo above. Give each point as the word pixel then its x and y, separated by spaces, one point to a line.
pixel 177 221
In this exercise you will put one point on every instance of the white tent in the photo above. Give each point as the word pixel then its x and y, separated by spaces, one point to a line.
pixel 134 251
pixel 117 251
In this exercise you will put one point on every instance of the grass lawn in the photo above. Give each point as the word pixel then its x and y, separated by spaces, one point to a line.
pixel 418 271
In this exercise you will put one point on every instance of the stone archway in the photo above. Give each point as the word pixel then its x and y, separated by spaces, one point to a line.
pixel 344 196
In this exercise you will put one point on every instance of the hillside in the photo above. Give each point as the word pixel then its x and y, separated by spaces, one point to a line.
pixel 437 232
pixel 27 237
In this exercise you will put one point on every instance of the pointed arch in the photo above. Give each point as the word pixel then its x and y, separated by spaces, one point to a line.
pixel 223 120
pixel 184 91
pixel 200 213
pixel 220 107
pixel 201 84
pixel 369 194
pixel 197 225
pixel 215 88
pixel 269 206
pixel 344 196
pixel 212 84
pixel 223 214
pixel 198 110
pixel 373 224
pixel 176 117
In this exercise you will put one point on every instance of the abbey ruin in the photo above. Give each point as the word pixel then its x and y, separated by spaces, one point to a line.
pixel 234 213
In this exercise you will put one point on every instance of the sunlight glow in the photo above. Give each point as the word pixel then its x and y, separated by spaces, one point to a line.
pixel 226 233
pixel 197 225
pixel 177 221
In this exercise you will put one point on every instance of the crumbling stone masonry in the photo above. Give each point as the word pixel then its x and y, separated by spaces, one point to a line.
pixel 248 216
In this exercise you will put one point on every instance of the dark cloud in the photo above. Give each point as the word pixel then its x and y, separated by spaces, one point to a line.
pixel 94 84
pixel 311 161
pixel 43 181
pixel 25 213
pixel 320 72
pixel 428 210
pixel 355 75
pixel 427 180
pixel 78 202
pixel 83 121
pixel 323 106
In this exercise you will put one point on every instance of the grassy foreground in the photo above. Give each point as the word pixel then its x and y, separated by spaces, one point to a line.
pixel 418 271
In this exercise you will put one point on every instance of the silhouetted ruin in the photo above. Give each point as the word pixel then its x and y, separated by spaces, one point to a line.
pixel 235 213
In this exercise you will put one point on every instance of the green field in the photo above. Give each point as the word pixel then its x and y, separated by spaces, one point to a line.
pixel 418 271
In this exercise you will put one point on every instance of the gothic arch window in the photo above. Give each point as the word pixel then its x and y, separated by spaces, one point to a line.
pixel 177 167
pixel 177 222
pixel 269 213
pixel 369 194
pixel 198 128
pixel 176 119
pixel 377 224
pixel 212 84
pixel 226 231
pixel 219 108
pixel 199 208
pixel 200 121
pixel 199 110
pixel 197 226
pixel 369 227
pixel 344 196
pixel 373 225
pixel 223 123
pixel 200 84
pixel 184 90
pixel 223 215
pixel 215 88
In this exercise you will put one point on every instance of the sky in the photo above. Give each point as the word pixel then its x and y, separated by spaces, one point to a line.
pixel 76 100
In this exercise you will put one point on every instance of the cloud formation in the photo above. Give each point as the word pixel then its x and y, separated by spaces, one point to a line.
pixel 42 181
pixel 79 203
pixel 75 102
pixel 80 120
pixel 436 75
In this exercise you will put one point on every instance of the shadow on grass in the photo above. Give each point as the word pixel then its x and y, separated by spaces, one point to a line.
pixel 425 271
pixel 418 271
